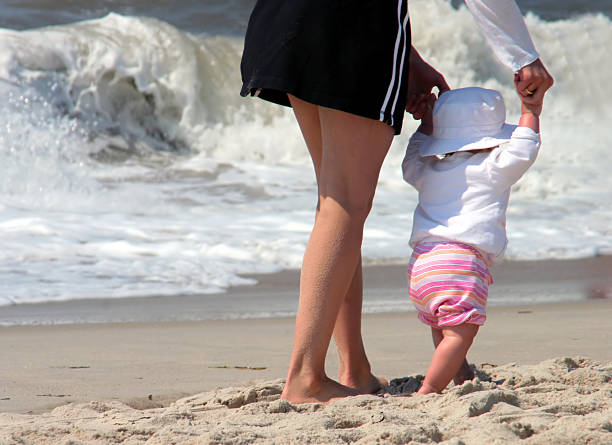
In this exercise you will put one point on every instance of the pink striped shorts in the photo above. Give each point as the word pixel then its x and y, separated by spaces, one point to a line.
pixel 449 284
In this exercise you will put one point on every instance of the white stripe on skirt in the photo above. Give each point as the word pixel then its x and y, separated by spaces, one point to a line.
pixel 401 70
pixel 401 35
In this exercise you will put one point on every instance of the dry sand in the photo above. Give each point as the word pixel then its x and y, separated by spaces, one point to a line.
pixel 558 401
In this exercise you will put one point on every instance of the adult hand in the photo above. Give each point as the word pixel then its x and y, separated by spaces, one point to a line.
pixel 422 78
pixel 532 81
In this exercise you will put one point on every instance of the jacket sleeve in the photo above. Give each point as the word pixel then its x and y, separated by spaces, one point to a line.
pixel 412 163
pixel 508 162
pixel 502 24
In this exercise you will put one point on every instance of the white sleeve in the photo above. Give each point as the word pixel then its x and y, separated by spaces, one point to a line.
pixel 503 26
pixel 508 162
pixel 412 163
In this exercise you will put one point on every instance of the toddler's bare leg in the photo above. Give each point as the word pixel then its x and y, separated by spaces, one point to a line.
pixel 448 357
pixel 465 372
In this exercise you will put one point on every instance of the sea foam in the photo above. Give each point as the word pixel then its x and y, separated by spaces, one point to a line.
pixel 132 167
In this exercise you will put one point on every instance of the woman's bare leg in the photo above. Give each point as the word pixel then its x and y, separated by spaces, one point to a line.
pixel 448 356
pixel 352 151
pixel 354 368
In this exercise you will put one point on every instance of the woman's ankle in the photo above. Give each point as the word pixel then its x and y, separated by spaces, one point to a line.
pixel 351 375
pixel 365 384
pixel 427 388
pixel 304 382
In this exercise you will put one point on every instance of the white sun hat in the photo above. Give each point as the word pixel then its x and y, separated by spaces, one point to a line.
pixel 464 119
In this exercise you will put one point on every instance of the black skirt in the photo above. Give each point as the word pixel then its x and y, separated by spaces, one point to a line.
pixel 350 55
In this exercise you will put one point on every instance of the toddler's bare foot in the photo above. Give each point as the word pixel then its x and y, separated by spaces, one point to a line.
pixel 464 374
pixel 300 390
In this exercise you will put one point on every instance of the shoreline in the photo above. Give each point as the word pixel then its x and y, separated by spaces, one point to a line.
pixel 147 365
pixel 276 295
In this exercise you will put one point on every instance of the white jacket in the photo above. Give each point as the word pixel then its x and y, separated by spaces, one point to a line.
pixel 463 197
pixel 502 24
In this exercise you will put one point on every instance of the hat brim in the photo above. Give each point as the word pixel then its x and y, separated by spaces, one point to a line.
pixel 435 146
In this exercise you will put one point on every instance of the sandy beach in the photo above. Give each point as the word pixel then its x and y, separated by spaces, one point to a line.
pixel 153 221
pixel 544 376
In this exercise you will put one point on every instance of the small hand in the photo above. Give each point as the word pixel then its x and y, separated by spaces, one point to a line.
pixel 422 78
pixel 417 105
pixel 532 81
pixel 426 126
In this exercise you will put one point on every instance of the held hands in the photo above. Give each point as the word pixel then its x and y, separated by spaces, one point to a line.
pixel 531 83
pixel 422 78
pixel 427 102
pixel 527 102
pixel 531 107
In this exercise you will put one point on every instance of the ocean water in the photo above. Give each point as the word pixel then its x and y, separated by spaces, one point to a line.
pixel 130 166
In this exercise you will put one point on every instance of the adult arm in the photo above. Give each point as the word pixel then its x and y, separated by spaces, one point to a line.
pixel 503 26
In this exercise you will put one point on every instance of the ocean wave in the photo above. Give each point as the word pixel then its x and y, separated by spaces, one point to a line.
pixel 163 89
pixel 131 165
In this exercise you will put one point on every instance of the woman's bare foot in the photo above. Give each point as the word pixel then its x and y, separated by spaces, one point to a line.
pixel 300 390
pixel 464 374
pixel 426 388
pixel 369 384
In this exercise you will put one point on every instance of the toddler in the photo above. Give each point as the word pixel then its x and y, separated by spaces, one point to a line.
pixel 463 160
